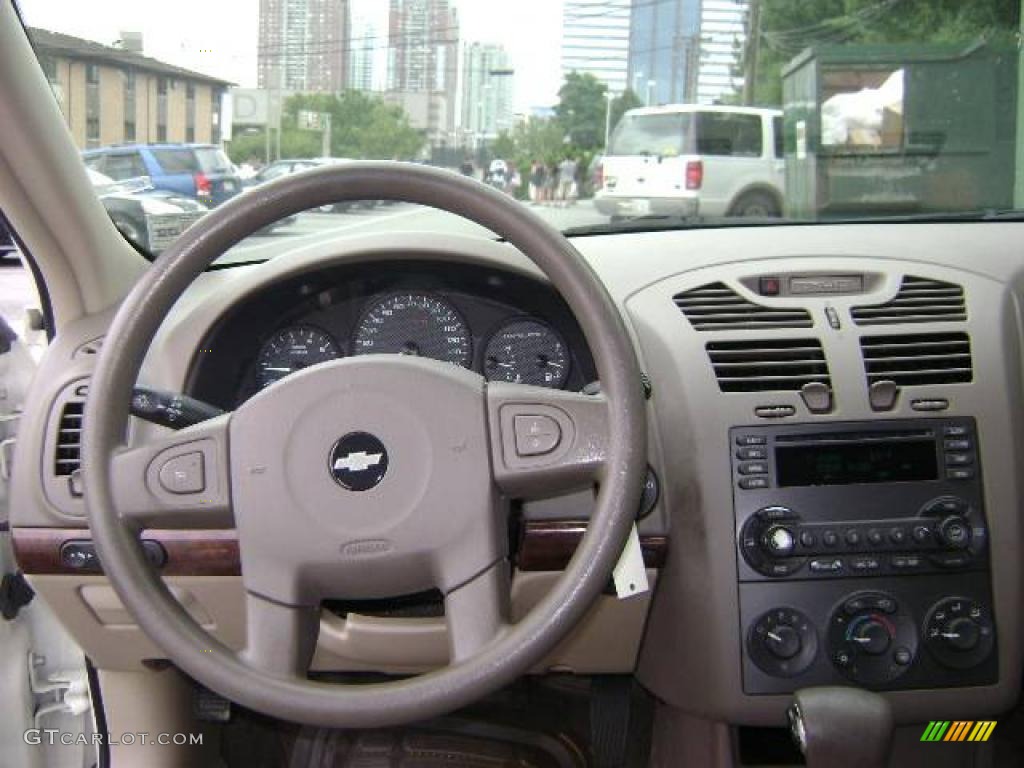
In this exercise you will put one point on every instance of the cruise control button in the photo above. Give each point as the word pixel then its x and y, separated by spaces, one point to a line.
pixel 184 474
pixel 536 435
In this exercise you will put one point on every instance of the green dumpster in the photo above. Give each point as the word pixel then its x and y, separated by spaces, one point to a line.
pixel 894 129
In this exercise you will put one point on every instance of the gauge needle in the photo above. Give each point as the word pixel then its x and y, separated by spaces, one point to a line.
pixel 278 370
pixel 775 637
pixel 951 635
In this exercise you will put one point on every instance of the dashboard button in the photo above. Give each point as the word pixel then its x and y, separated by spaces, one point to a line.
pixel 957 444
pixel 954 430
pixel 753 468
pixel 751 440
pixel 922 534
pixel 746 454
pixel 959 459
pixel 184 474
pixel 774 411
pixel 897 535
pixel 807 539
pixel 865 564
pixel 830 565
pixel 829 538
pixel 875 537
pixel 930 404
pixel 753 483
pixel 852 537
pixel 536 435
pixel 905 562
pixel 903 656
pixel 960 473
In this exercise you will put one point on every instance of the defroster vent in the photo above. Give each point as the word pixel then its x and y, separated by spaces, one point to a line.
pixel 915 359
pixel 768 365
pixel 716 306
pixel 919 300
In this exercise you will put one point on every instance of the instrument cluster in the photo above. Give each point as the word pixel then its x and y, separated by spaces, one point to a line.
pixel 505 326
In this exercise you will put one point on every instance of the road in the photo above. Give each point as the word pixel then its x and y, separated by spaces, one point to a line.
pixel 17 290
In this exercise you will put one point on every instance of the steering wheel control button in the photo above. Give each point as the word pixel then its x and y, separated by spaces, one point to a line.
pixel 536 435
pixel 184 474
pixel 959 632
pixel 358 461
pixel 871 640
pixel 782 642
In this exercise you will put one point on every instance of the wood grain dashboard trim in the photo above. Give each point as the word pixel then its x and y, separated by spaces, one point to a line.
pixel 543 546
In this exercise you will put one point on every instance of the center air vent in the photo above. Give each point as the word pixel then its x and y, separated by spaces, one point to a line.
pixel 919 301
pixel 926 358
pixel 768 365
pixel 717 307
pixel 69 438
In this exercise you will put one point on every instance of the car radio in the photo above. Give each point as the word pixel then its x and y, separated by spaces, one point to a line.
pixel 862 554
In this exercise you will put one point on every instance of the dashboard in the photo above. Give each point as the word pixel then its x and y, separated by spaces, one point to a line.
pixel 835 419
pixel 504 326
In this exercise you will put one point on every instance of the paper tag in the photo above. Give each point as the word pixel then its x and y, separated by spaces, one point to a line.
pixel 630 575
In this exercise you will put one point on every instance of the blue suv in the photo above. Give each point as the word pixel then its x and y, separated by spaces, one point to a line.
pixel 200 171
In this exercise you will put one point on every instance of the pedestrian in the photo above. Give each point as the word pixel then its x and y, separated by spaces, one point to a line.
pixel 538 177
pixel 567 179
pixel 466 167
pixel 551 184
pixel 514 179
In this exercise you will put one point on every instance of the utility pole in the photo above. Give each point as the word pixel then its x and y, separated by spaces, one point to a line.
pixel 1018 184
pixel 753 49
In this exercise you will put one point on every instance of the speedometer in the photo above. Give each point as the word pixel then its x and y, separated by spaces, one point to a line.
pixel 292 349
pixel 414 324
pixel 527 352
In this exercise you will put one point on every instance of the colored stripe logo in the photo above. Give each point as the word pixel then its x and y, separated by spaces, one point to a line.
pixel 958 730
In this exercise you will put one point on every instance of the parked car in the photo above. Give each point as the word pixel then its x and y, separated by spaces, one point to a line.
pixel 691 160
pixel 279 168
pixel 151 218
pixel 200 171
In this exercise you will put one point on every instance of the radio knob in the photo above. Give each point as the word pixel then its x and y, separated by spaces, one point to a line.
pixel 872 637
pixel 954 532
pixel 783 642
pixel 779 541
pixel 961 634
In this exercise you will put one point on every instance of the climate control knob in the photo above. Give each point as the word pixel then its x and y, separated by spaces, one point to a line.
pixel 783 641
pixel 871 640
pixel 872 636
pixel 959 632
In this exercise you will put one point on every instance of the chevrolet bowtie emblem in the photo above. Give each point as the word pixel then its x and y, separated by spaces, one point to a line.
pixel 358 461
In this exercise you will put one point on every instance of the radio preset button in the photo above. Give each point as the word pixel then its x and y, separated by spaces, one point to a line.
pixel 922 534
pixel 853 537
pixel 897 535
pixel 807 539
pixel 829 538
pixel 875 537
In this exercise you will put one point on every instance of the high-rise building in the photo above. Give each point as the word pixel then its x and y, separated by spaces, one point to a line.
pixel 664 50
pixel 365 43
pixel 423 46
pixel 595 40
pixel 487 87
pixel 723 32
pixel 303 45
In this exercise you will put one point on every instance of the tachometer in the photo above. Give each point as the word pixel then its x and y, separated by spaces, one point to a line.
pixel 527 352
pixel 414 324
pixel 292 349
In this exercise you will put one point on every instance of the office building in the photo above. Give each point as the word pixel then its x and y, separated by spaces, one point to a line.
pixel 114 96
pixel 303 45
pixel 487 88
pixel 664 50
pixel 595 40
pixel 723 31
pixel 423 45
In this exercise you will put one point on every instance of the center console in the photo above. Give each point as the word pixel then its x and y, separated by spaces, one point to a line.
pixel 862 555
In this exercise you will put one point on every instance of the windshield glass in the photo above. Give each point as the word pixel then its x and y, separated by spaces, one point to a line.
pixel 601 115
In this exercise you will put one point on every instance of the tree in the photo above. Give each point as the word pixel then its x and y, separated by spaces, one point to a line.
pixel 363 126
pixel 787 27
pixel 581 110
pixel 621 104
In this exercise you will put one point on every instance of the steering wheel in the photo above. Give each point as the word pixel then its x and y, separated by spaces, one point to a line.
pixel 366 477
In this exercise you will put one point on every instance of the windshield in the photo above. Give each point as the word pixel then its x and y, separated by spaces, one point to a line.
pixel 600 115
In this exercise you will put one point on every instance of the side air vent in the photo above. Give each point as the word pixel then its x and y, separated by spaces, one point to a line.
pixel 768 365
pixel 926 358
pixel 717 307
pixel 69 438
pixel 919 301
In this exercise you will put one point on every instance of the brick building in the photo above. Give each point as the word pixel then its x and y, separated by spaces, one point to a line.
pixel 114 96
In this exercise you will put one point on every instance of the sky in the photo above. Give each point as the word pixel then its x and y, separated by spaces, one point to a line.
pixel 219 37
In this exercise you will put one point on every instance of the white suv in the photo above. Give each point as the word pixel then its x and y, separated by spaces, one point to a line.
pixel 689 160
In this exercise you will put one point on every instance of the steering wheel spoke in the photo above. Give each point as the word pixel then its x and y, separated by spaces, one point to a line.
pixel 544 441
pixel 280 639
pixel 478 611
pixel 176 481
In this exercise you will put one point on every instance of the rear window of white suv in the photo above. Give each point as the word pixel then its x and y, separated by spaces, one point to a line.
pixel 663 134
pixel 729 134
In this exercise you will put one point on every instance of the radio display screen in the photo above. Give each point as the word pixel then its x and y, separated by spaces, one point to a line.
pixel 851 463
